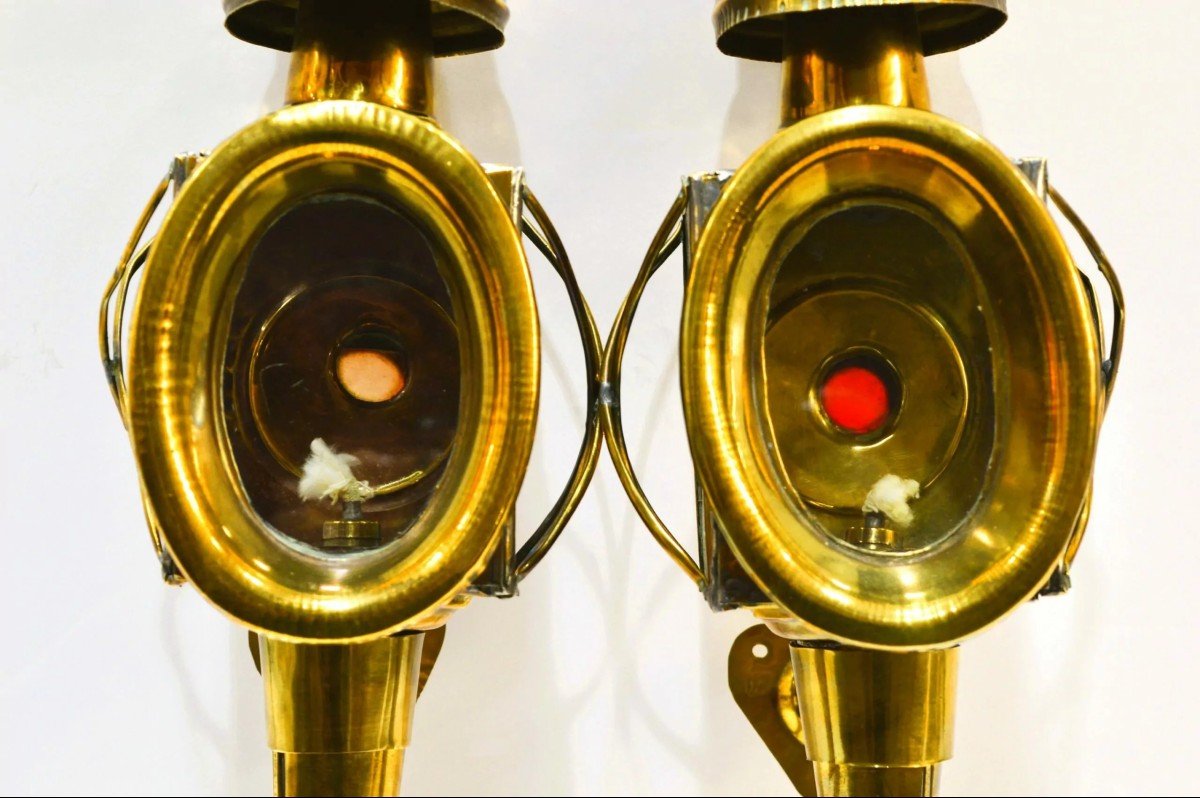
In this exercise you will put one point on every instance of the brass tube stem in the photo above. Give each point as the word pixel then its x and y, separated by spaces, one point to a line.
pixel 832 59
pixel 379 51
pixel 339 715
pixel 876 722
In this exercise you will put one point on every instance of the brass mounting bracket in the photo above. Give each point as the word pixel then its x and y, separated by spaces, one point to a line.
pixel 761 680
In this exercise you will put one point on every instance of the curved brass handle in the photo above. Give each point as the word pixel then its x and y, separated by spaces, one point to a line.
pixel 112 335
pixel 112 338
pixel 666 241
pixel 538 228
pixel 1109 367
pixel 112 329
pixel 1113 362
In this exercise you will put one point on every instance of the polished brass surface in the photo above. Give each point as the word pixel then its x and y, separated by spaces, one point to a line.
pixel 857 780
pixel 875 708
pixel 375 50
pixel 116 294
pixel 755 28
pixel 354 773
pixel 855 57
pixel 294 252
pixel 458 26
pixel 761 681
pixel 977 560
pixel 339 716
pixel 431 647
pixel 726 585
pixel 183 315
pixel 873 536
pixel 876 722
pixel 350 533
pixel 831 313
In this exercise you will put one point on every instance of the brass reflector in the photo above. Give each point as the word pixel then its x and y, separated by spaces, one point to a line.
pixel 342 287
pixel 875 282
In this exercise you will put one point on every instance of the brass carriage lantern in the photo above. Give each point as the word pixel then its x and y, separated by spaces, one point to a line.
pixel 893 381
pixel 332 376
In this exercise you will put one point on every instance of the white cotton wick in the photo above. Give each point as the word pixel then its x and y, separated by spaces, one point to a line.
pixel 328 475
pixel 891 496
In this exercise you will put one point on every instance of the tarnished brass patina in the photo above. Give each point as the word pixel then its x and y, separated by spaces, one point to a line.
pixel 872 236
pixel 342 271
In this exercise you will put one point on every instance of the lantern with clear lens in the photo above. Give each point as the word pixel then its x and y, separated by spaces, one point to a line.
pixel 333 376
pixel 892 380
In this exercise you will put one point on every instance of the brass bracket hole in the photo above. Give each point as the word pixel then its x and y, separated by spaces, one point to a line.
pixel 762 684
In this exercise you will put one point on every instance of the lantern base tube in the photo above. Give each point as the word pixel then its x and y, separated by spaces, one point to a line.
pixel 339 716
pixel 875 722
pixel 357 773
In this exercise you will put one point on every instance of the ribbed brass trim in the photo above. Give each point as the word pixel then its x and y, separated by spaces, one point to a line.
pixel 754 28
pixel 459 26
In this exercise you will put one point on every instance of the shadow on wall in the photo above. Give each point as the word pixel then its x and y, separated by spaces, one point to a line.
pixel 950 94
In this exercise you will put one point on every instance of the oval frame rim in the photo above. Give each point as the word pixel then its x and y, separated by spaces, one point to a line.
pixel 725 455
pixel 292 593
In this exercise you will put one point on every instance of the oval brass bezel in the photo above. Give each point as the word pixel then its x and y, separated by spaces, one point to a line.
pixel 1009 543
pixel 179 331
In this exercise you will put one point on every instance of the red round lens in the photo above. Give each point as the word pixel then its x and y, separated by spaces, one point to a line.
pixel 856 399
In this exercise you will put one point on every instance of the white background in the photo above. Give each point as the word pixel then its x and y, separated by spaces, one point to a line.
pixel 607 675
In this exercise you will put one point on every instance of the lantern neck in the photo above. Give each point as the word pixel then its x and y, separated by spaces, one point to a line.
pixel 867 56
pixel 378 51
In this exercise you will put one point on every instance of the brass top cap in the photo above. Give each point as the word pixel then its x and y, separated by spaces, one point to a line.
pixel 459 26
pixel 754 28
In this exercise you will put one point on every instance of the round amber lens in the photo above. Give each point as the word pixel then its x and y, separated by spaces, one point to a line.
pixel 370 375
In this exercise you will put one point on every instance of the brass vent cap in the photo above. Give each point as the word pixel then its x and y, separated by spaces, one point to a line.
pixel 754 28
pixel 459 26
